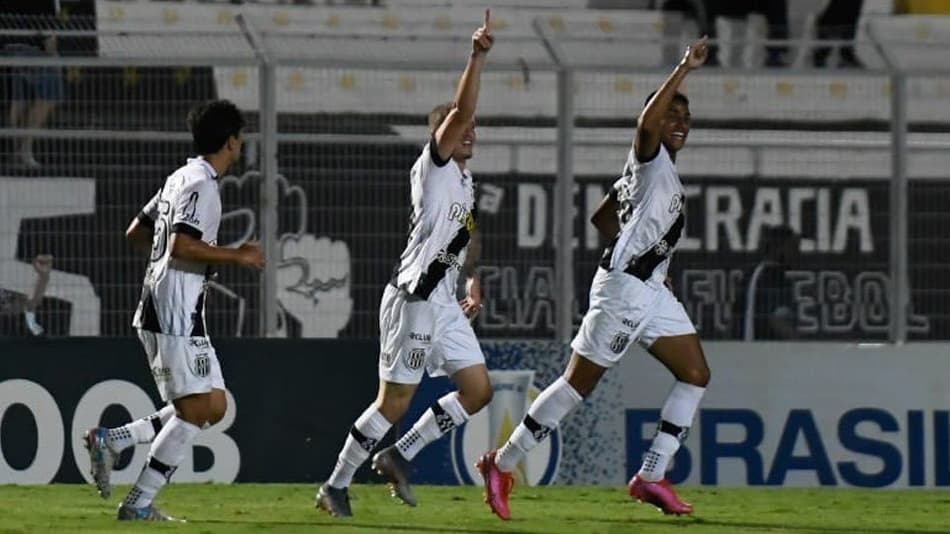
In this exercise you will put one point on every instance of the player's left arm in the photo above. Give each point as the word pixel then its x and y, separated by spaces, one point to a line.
pixel 605 217
pixel 472 303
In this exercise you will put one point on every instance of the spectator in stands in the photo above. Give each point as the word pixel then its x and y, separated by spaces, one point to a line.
pixel 776 15
pixel 769 311
pixel 839 21
pixel 12 303
pixel 34 91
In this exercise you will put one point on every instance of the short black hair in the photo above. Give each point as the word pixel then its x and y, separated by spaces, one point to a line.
pixel 212 123
pixel 677 96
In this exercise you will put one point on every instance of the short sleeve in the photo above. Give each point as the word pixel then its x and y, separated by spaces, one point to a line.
pixel 197 209
pixel 434 153
pixel 149 211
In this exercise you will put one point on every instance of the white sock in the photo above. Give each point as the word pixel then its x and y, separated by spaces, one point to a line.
pixel 675 420
pixel 444 415
pixel 544 415
pixel 141 430
pixel 366 432
pixel 165 454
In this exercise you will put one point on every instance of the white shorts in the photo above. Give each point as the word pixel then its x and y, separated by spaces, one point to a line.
pixel 417 335
pixel 181 365
pixel 622 309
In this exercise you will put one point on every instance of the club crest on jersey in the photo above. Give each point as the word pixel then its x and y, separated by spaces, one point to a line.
pixel 201 366
pixel 415 358
pixel 619 342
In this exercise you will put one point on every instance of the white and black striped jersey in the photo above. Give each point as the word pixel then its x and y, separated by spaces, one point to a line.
pixel 650 199
pixel 173 293
pixel 440 227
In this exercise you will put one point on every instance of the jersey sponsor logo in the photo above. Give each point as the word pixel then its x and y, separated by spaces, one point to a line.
pixel 415 358
pixel 619 342
pixel 460 214
pixel 199 342
pixel 161 373
pixel 415 336
pixel 452 260
pixel 662 248
pixel 629 323
pixel 514 390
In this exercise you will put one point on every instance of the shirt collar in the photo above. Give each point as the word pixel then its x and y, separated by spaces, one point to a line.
pixel 204 163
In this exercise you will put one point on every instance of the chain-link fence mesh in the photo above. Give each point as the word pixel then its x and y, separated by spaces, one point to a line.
pixel 786 173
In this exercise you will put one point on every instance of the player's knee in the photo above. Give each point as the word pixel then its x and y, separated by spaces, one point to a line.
pixel 393 407
pixel 217 411
pixel 483 396
pixel 697 376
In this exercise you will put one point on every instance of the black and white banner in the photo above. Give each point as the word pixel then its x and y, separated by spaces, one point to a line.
pixel 341 231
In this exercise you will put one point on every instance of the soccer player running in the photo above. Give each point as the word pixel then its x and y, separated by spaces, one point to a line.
pixel 643 218
pixel 179 226
pixel 422 326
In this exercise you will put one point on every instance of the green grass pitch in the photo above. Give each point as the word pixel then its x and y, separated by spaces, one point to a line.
pixel 576 510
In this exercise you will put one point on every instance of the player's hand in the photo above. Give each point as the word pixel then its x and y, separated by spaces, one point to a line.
pixel 472 303
pixel 251 256
pixel 43 264
pixel 696 54
pixel 482 39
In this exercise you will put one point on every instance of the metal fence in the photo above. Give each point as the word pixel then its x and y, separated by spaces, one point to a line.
pixel 854 165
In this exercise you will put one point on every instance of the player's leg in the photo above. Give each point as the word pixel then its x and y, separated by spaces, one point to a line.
pixel 370 427
pixel 195 384
pixel 545 414
pixel 603 338
pixel 672 340
pixel 404 325
pixel 105 444
pixel 450 411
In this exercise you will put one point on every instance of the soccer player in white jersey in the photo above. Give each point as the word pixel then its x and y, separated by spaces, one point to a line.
pixel 179 228
pixel 629 301
pixel 422 325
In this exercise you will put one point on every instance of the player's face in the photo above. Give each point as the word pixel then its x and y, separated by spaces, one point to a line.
pixel 676 125
pixel 235 142
pixel 465 150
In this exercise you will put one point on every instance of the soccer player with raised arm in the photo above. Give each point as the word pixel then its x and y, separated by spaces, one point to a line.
pixel 642 216
pixel 179 228
pixel 422 325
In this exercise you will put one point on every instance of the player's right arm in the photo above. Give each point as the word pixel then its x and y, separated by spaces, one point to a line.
pixel 647 142
pixel 453 128
pixel 198 207
pixel 187 247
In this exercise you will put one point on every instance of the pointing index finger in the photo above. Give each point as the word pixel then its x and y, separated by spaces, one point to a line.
pixel 487 17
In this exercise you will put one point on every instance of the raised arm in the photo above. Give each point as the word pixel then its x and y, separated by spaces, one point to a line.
pixel 647 141
pixel 450 133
